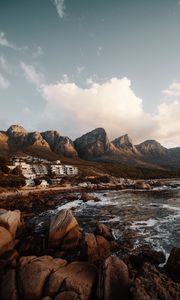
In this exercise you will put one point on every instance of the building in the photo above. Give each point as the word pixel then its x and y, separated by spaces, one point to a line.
pixel 58 170
pixel 71 170
pixel 39 169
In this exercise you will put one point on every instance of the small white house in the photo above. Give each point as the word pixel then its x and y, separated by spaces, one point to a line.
pixel 43 183
pixel 30 182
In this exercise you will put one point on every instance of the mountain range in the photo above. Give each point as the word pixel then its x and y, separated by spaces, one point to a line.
pixel 92 146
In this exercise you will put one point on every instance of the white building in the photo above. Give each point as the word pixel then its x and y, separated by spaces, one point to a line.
pixel 58 170
pixel 71 170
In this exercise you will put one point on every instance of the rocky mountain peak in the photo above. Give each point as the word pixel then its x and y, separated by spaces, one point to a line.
pixel 16 130
pixel 92 144
pixel 151 147
pixel 59 144
pixel 124 142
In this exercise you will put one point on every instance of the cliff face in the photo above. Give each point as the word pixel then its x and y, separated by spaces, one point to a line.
pixel 60 144
pixel 152 148
pixel 92 144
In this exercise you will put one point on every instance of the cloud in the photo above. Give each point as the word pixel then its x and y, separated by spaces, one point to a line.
pixel 173 90
pixel 4 83
pixel 112 105
pixel 4 42
pixel 32 75
pixel 60 7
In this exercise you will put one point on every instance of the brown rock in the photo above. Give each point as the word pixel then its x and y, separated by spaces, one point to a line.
pixel 78 277
pixel 60 225
pixel 67 296
pixel 89 248
pixel 71 240
pixel 36 271
pixel 103 247
pixel 8 286
pixel 105 231
pixel 146 253
pixel 173 264
pixel 116 279
pixel 10 257
pixel 11 220
pixel 86 197
pixel 151 284
pixel 5 239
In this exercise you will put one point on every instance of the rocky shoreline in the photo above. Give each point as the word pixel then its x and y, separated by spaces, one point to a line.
pixel 65 262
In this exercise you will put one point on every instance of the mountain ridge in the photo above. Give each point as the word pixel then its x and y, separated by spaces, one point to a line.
pixel 94 145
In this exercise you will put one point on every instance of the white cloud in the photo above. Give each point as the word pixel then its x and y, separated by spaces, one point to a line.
pixel 173 90
pixel 4 83
pixel 112 105
pixel 60 7
pixel 32 75
pixel 4 42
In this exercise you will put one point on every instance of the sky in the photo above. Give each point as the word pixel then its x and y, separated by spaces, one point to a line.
pixel 73 66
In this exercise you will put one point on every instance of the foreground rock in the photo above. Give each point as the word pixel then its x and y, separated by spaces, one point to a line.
pixel 79 277
pixel 144 254
pixel 5 239
pixel 94 248
pixel 11 220
pixel 61 224
pixel 152 284
pixel 173 264
pixel 116 279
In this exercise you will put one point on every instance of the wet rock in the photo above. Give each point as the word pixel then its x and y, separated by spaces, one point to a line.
pixel 142 185
pixel 151 284
pixel 173 264
pixel 86 197
pixel 77 277
pixel 144 254
pixel 35 270
pixel 5 239
pixel 71 240
pixel 116 279
pixel 94 248
pixel 89 248
pixel 11 220
pixel 8 286
pixel 104 248
pixel 105 231
pixel 61 224
pixel 67 296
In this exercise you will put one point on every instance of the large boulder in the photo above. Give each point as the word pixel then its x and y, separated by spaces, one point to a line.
pixel 152 284
pixel 173 264
pixel 77 277
pixel 11 220
pixel 5 239
pixel 33 273
pixel 61 224
pixel 116 279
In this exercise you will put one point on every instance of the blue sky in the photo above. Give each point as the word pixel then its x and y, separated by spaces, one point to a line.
pixel 76 65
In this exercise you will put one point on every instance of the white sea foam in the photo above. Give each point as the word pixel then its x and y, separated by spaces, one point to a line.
pixel 72 204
